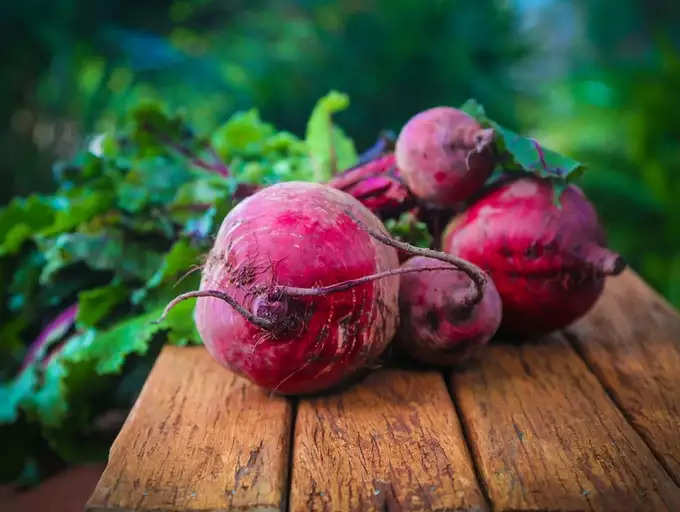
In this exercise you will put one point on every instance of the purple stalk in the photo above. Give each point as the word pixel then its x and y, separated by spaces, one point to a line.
pixel 54 330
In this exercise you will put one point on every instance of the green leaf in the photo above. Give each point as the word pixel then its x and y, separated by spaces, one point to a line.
pixel 102 251
pixel 95 304
pixel 92 353
pixel 180 321
pixel 181 257
pixel 525 154
pixel 243 132
pixel 153 128
pixel 82 207
pixel 15 392
pixel 474 109
pixel 152 182
pixel 330 149
pixel 21 219
pixel 409 229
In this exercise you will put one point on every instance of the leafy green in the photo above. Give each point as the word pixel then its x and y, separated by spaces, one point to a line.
pixel 95 304
pixel 409 229
pixel 330 148
pixel 131 219
pixel 243 132
pixel 22 219
pixel 106 250
pixel 525 154
pixel 14 392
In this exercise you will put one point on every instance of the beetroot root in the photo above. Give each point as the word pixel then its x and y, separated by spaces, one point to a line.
pixel 272 255
pixel 444 155
pixel 548 262
pixel 438 326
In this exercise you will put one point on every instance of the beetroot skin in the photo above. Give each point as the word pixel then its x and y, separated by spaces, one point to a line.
pixel 548 263
pixel 444 155
pixel 298 235
pixel 438 324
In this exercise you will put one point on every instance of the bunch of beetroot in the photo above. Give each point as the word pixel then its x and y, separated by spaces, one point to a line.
pixel 303 288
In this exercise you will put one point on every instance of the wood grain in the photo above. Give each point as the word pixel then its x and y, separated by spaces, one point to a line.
pixel 545 435
pixel 392 442
pixel 631 341
pixel 198 438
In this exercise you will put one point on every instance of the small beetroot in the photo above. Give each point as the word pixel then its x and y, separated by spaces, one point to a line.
pixel 547 261
pixel 444 155
pixel 439 325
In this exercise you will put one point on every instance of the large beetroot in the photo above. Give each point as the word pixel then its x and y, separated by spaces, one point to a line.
pixel 274 254
pixel 547 261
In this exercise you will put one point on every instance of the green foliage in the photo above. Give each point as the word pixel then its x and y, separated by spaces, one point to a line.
pixel 409 229
pixel 120 238
pixel 330 148
pixel 524 154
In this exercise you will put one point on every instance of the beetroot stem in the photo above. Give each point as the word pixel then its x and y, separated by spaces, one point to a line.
pixel 473 271
pixel 255 320
pixel 350 283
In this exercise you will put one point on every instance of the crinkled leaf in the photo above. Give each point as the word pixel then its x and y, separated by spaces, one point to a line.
pixel 92 353
pixel 15 392
pixel 204 190
pixel 95 304
pixel 243 132
pixel 519 153
pixel 21 219
pixel 154 127
pixel 330 149
pixel 181 257
pixel 102 251
pixel 78 209
pixel 180 321
pixel 154 181
pixel 11 342
pixel 409 229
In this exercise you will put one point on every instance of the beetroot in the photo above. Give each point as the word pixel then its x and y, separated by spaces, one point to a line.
pixel 548 262
pixel 276 324
pixel 444 155
pixel 438 324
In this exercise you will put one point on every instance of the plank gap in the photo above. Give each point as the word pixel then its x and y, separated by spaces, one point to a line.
pixel 631 342
pixel 573 340
pixel 545 435
pixel 474 457
pixel 294 402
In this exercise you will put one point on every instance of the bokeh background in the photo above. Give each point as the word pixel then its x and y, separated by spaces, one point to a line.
pixel 596 79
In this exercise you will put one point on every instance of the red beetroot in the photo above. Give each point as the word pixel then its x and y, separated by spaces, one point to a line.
pixel 548 262
pixel 444 155
pixel 297 235
pixel 439 325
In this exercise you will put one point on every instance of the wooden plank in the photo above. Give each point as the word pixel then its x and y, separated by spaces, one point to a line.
pixel 392 442
pixel 631 341
pixel 198 438
pixel 545 435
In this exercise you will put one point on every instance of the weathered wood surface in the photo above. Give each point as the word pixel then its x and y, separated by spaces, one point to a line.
pixel 393 442
pixel 198 438
pixel 631 341
pixel 585 420
pixel 546 436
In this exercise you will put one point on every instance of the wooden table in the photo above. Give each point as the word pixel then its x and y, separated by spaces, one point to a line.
pixel 585 419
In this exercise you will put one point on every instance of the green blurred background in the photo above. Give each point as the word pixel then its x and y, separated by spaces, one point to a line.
pixel 598 80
